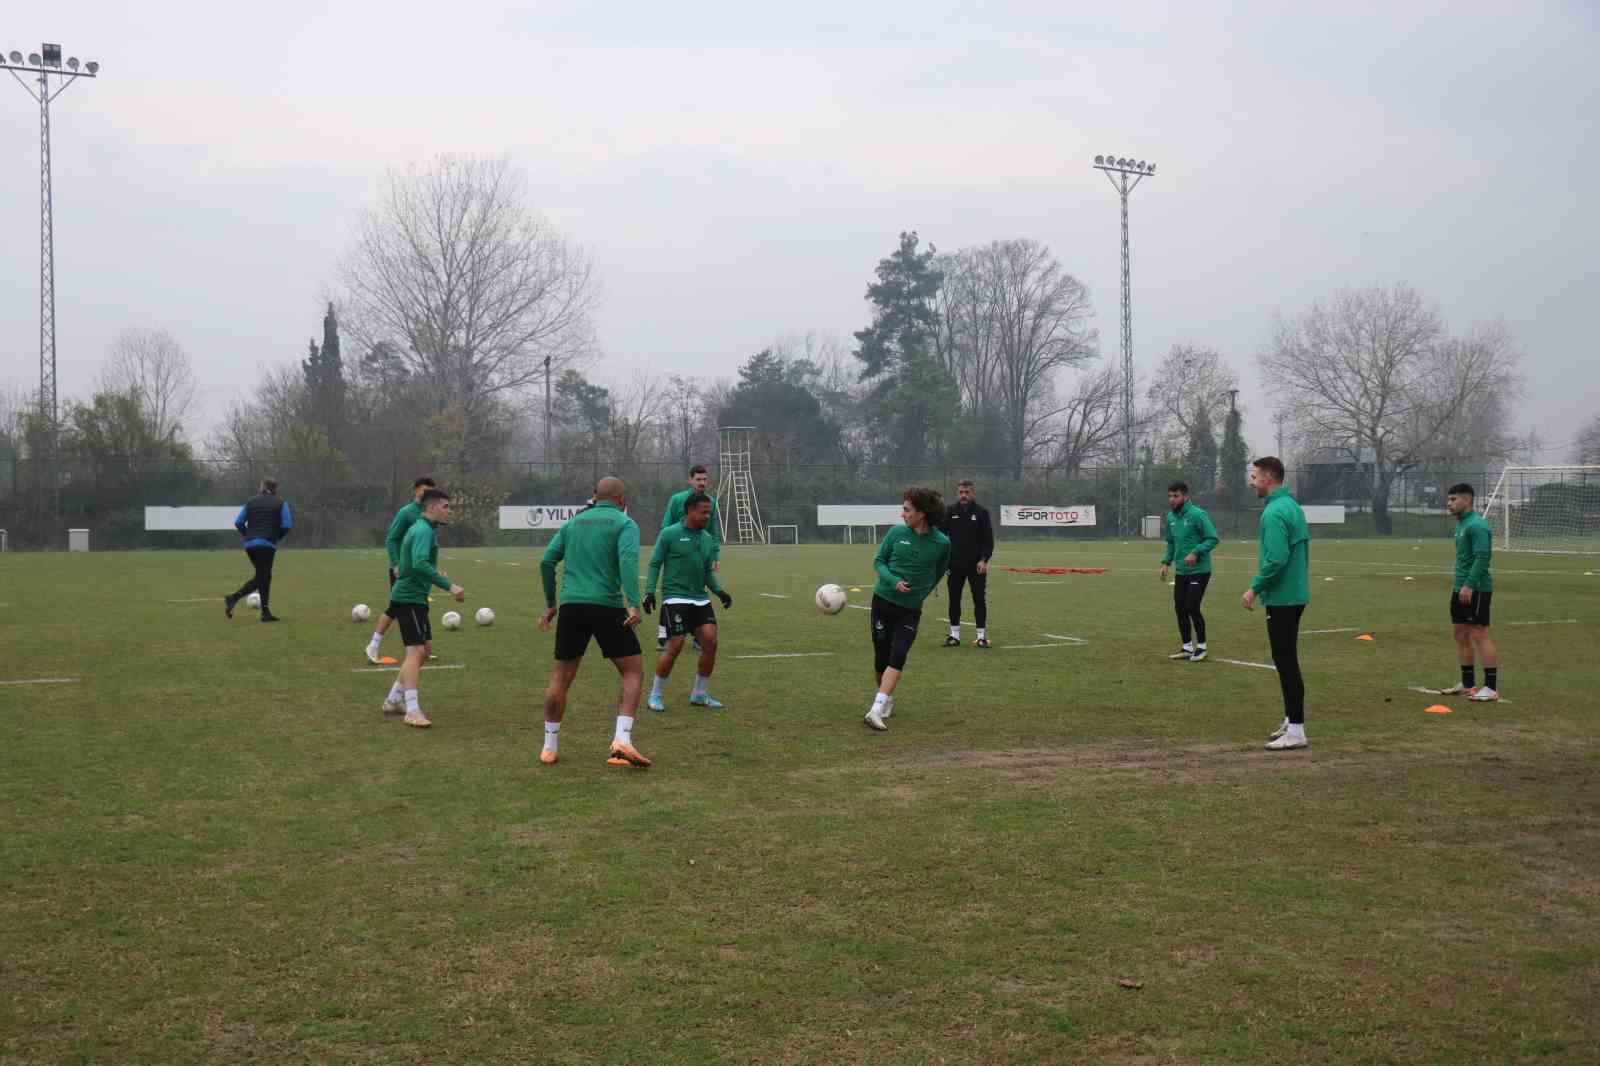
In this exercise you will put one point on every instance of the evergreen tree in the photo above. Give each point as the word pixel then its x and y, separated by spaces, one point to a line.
pixel 324 376
pixel 1200 462
pixel 1233 455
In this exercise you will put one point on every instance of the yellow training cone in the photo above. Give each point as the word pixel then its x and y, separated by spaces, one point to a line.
pixel 1437 708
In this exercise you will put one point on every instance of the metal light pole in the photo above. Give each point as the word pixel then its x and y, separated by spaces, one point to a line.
pixel 1125 175
pixel 44 64
pixel 547 414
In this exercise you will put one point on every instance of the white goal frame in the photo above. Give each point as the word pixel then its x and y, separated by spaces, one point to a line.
pixel 1512 493
pixel 791 528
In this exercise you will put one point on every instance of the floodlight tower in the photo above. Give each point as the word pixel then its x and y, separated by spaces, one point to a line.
pixel 1124 175
pixel 45 64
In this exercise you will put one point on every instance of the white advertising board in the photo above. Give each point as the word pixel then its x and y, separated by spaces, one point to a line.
pixel 1024 514
pixel 1331 514
pixel 538 516
pixel 858 514
pixel 188 519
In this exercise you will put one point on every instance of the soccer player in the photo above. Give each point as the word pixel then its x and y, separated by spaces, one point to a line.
pixel 698 480
pixel 1190 539
pixel 403 519
pixel 910 561
pixel 684 551
pixel 408 601
pixel 1469 597
pixel 1282 583
pixel 599 599
pixel 971 545
pixel 263 522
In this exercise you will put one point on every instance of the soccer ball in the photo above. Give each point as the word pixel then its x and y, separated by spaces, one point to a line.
pixel 360 613
pixel 831 599
pixel 484 617
pixel 253 601
pixel 451 620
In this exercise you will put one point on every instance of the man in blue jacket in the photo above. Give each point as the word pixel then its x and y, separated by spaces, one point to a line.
pixel 263 521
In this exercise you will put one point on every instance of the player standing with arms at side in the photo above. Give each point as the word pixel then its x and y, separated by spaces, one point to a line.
pixel 971 537
pixel 1190 538
pixel 408 601
pixel 1282 583
pixel 599 599
pixel 403 519
pixel 1469 597
pixel 910 561
pixel 684 551
pixel 263 522
pixel 676 503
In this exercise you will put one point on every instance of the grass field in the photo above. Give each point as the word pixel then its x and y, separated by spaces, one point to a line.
pixel 215 848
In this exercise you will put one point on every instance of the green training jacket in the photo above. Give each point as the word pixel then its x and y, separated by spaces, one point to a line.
pixel 1283 577
pixel 403 520
pixel 684 556
pixel 1474 547
pixel 600 547
pixel 675 507
pixel 419 565
pixel 1189 529
pixel 918 559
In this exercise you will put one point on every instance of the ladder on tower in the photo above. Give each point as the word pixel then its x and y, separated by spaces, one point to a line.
pixel 736 490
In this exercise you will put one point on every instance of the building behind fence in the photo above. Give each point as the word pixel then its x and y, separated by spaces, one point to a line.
pixel 335 511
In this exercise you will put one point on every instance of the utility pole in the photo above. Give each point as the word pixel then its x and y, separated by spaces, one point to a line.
pixel 1128 174
pixel 46 63
pixel 547 413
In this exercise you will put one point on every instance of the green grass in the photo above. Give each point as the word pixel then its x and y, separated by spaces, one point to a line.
pixel 214 848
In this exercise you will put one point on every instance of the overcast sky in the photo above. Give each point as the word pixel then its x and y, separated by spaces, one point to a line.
pixel 739 168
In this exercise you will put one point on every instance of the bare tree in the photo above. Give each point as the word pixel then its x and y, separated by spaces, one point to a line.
pixel 635 416
pixel 469 287
pixel 152 363
pixel 1373 373
pixel 1088 425
pixel 1589 443
pixel 1188 378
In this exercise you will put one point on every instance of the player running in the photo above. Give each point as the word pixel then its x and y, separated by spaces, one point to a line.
pixel 1470 591
pixel 403 520
pixel 698 480
pixel 684 552
pixel 911 560
pixel 263 521
pixel 1190 538
pixel 599 599
pixel 408 601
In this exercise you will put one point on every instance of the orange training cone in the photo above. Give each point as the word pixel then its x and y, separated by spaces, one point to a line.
pixel 1365 636
pixel 1437 708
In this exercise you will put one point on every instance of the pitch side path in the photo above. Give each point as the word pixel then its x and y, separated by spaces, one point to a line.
pixel 214 847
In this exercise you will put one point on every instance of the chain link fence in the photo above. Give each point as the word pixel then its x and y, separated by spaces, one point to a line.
pixel 333 509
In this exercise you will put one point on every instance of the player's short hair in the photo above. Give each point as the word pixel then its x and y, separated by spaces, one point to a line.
pixel 695 500
pixel 1178 486
pixel 421 481
pixel 269 484
pixel 698 469
pixel 964 483
pixel 1461 488
pixel 1272 465
pixel 929 501
pixel 433 494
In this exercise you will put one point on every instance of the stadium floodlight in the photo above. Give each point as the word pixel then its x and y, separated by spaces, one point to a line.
pixel 72 63
pixel 16 57
pixel 33 59
pixel 52 55
pixel 92 67
pixel 1152 168
pixel 1099 159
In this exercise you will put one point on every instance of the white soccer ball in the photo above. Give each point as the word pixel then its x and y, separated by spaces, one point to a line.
pixel 451 620
pixel 360 613
pixel 831 599
pixel 253 601
pixel 484 617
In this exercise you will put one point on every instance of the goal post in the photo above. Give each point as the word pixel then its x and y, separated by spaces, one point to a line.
pixel 794 532
pixel 1546 509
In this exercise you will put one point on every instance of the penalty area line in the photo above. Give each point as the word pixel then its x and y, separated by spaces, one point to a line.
pixel 394 669
pixel 44 681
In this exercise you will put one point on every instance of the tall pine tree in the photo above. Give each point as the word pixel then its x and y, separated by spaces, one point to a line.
pixel 324 376
pixel 1200 462
pixel 1233 455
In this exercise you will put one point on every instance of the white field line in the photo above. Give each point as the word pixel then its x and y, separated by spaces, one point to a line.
pixel 773 596
pixel 1038 582
pixel 1241 662
pixel 1346 629
pixel 1440 692
pixel 44 681
pixel 197 599
pixel 396 668
pixel 1063 638
pixel 788 655
pixel 1552 622
pixel 1025 647
pixel 858 607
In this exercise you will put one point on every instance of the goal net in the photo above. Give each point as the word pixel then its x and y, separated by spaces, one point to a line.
pixel 1546 509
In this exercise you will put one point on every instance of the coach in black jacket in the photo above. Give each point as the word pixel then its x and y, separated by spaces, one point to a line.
pixel 971 544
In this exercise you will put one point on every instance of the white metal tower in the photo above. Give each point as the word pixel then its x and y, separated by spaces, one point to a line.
pixel 736 488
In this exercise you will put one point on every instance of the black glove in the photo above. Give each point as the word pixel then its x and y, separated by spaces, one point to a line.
pixel 394 575
pixel 650 603
pixel 727 601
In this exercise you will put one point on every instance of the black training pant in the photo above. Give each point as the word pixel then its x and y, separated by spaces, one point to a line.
pixel 959 576
pixel 261 559
pixel 1283 633
pixel 1187 592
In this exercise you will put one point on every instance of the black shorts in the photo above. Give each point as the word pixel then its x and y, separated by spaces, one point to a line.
pixel 413 618
pixel 894 630
pixel 1474 614
pixel 577 622
pixel 688 617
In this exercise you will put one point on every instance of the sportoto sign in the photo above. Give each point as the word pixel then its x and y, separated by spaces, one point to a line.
pixel 540 516
pixel 1032 515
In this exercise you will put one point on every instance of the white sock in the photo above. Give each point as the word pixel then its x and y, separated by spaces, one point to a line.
pixel 661 632
pixel 624 734
pixel 1201 645
pixel 982 633
pixel 657 685
pixel 1188 645
pixel 395 693
pixel 411 700
pixel 377 638
pixel 1297 730
pixel 878 701
pixel 552 735
pixel 955 631
pixel 701 684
